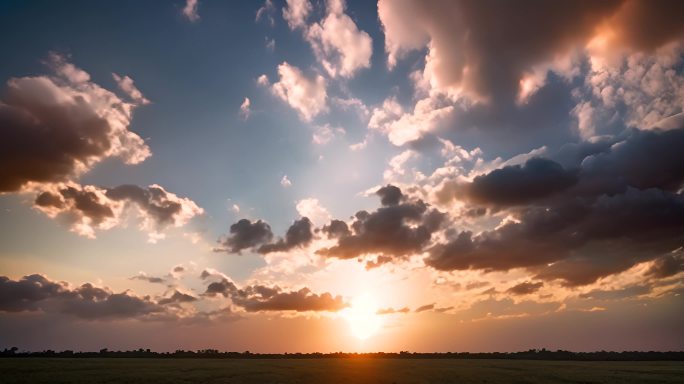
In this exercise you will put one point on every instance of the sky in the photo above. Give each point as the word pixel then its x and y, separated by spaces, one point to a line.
pixel 299 176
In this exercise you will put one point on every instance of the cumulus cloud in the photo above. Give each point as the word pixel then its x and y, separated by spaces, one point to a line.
pixel 38 293
pixel 340 47
pixel 467 41
pixel 57 128
pixel 176 298
pixel 190 10
pixel 88 208
pixel 305 94
pixel 244 234
pixel 299 234
pixel 127 85
pixel 396 229
pixel 537 178
pixel 625 207
pixel 314 210
pixel 258 298
pixel 403 127
pixel 296 12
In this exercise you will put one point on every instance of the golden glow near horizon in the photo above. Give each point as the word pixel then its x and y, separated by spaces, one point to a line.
pixel 362 317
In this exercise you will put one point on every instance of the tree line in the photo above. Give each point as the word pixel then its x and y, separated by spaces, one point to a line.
pixel 532 354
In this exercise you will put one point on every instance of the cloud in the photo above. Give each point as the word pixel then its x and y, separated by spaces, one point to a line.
pixel 324 133
pixel 299 234
pixel 177 298
pixel 244 109
pixel 296 12
pixel 389 195
pixel 150 279
pixel 306 95
pixel 190 10
pixel 667 265
pixel 285 182
pixel 127 85
pixel 38 293
pixel 336 228
pixel 395 229
pixel 404 127
pixel 266 12
pixel 244 234
pixel 340 47
pixel 258 298
pixel 57 128
pixel 525 288
pixel 88 208
pixel 467 41
pixel 390 311
pixel 313 209
pixel 536 179
pixel 617 294
pixel 625 207
pixel 424 308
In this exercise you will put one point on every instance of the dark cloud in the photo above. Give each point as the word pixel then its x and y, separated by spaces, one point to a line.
pixel 424 308
pixel 87 208
pixel 179 269
pixel 36 292
pixel 154 201
pixel 520 184
pixel 150 279
pixel 299 234
pixel 625 207
pixel 53 129
pixel 389 195
pixel 668 265
pixel 244 234
pixel 399 229
pixel 257 298
pixel 177 298
pixel 336 228
pixel 525 288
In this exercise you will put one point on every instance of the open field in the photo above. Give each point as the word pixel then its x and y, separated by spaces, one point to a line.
pixel 355 370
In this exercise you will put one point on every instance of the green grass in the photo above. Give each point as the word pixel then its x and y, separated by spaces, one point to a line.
pixel 357 370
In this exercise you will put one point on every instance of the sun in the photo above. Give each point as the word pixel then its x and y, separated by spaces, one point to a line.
pixel 362 317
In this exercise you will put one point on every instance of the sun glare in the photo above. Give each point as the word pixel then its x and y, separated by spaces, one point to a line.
pixel 362 317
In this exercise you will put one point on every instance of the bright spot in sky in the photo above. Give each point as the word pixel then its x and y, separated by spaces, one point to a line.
pixel 362 317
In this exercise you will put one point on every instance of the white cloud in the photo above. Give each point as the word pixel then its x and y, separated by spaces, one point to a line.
pixel 340 47
pixel 314 210
pixel 244 109
pixel 262 80
pixel 324 133
pixel 190 10
pixel 306 95
pixel 127 85
pixel 296 12
pixel 403 127
pixel 285 182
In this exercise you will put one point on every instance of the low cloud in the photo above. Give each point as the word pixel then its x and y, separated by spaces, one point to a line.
pixel 396 229
pixel 38 293
pixel 88 208
pixel 305 94
pixel 259 298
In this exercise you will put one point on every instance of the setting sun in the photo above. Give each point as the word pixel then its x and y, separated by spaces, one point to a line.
pixel 362 317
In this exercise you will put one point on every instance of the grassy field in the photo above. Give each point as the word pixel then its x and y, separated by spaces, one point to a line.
pixel 359 370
